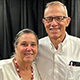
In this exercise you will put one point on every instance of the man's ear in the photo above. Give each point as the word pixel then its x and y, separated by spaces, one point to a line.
pixel 68 21
pixel 43 21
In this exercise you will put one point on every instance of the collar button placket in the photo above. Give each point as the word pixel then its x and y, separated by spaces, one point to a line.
pixel 56 66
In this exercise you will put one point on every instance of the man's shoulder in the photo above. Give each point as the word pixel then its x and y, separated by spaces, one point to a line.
pixel 74 38
pixel 44 38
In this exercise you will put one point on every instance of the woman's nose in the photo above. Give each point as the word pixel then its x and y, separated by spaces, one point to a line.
pixel 29 48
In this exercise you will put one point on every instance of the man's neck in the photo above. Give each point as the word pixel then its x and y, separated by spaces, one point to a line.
pixel 57 41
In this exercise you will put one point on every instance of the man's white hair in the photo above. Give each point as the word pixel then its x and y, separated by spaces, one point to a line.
pixel 54 3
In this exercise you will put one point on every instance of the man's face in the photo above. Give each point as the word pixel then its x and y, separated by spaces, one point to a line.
pixel 56 29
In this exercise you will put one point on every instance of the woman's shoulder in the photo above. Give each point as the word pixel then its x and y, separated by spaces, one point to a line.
pixel 4 62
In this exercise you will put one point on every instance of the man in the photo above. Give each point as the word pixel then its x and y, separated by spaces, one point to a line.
pixel 59 53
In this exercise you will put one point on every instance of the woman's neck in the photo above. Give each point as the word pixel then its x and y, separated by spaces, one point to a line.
pixel 24 72
pixel 24 65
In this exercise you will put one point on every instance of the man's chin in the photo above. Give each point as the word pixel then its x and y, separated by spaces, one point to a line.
pixel 54 37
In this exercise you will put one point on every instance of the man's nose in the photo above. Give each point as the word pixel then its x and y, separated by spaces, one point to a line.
pixel 54 22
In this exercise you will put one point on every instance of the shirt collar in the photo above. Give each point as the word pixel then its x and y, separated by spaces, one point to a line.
pixel 66 38
pixel 61 45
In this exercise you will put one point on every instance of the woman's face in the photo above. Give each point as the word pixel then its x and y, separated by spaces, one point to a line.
pixel 27 48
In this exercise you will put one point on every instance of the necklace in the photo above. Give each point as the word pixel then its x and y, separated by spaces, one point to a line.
pixel 18 71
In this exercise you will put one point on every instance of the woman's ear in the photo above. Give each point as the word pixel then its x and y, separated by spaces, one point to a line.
pixel 15 49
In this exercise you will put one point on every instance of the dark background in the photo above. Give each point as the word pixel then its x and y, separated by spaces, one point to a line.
pixel 19 14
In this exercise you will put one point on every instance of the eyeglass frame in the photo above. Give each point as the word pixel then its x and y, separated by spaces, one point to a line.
pixel 55 18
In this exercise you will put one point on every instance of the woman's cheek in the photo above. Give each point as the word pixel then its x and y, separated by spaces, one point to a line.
pixel 23 49
pixel 35 50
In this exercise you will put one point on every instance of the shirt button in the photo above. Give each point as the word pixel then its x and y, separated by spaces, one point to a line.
pixel 55 65
pixel 55 78
pixel 56 53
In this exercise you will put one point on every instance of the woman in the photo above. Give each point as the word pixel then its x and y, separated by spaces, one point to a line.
pixel 22 66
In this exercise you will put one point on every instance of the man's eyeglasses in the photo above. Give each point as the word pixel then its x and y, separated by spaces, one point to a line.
pixel 57 19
